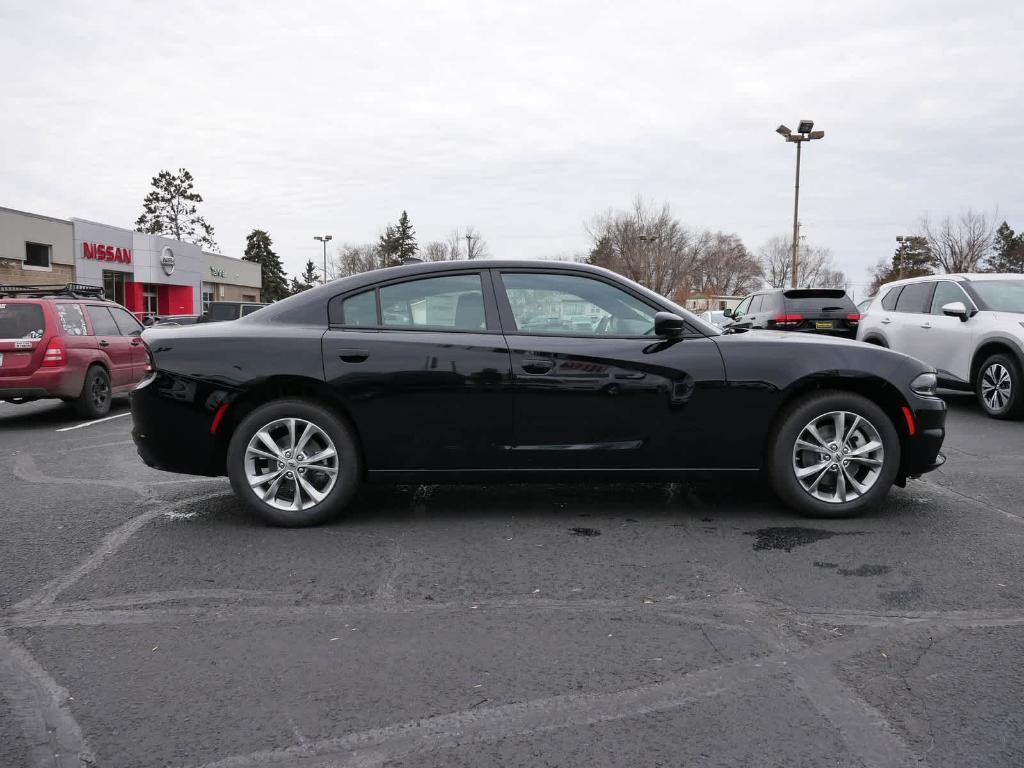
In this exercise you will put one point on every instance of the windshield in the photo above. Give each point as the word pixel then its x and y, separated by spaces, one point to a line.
pixel 1000 295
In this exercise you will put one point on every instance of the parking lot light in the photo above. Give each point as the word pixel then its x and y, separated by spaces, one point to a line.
pixel 803 133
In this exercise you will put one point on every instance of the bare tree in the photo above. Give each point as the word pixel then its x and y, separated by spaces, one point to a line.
pixel 960 244
pixel 435 250
pixel 476 246
pixel 646 244
pixel 354 259
pixel 815 265
pixel 726 268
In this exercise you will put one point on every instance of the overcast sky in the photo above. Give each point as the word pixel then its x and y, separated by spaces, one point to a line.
pixel 521 118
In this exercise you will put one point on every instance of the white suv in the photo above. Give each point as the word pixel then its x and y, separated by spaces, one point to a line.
pixel 969 326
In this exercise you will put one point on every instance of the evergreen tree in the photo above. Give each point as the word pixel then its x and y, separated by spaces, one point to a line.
pixel 171 209
pixel 258 250
pixel 306 280
pixel 1008 251
pixel 398 242
pixel 913 258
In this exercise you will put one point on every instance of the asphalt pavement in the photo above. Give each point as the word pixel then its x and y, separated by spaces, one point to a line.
pixel 146 620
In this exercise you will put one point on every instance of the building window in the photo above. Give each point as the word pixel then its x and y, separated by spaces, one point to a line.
pixel 113 286
pixel 149 300
pixel 248 297
pixel 37 255
pixel 208 296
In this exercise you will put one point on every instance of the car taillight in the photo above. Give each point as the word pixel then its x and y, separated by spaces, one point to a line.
pixel 788 319
pixel 853 317
pixel 55 354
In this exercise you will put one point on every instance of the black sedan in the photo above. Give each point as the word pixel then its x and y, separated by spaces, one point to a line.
pixel 522 371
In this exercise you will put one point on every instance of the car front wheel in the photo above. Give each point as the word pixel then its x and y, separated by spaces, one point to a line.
pixel 999 387
pixel 833 454
pixel 294 463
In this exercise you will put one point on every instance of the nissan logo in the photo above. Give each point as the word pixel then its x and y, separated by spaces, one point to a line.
pixel 167 260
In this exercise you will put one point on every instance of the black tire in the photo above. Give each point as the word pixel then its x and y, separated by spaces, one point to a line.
pixel 94 401
pixel 1008 402
pixel 781 464
pixel 349 464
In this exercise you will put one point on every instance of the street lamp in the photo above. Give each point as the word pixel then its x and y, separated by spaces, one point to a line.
pixel 803 133
pixel 324 239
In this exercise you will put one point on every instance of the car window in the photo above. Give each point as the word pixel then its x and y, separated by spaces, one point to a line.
pixel 756 302
pixel 72 318
pixel 889 302
pixel 453 301
pixel 126 323
pixel 742 308
pixel 102 323
pixel 221 312
pixel 21 321
pixel 572 305
pixel 1001 295
pixel 248 309
pixel 947 292
pixel 914 297
pixel 358 311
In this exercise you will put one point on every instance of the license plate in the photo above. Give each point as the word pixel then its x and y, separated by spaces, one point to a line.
pixel 823 325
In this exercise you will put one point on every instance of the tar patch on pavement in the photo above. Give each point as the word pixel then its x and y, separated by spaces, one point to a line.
pixel 860 570
pixel 584 531
pixel 786 538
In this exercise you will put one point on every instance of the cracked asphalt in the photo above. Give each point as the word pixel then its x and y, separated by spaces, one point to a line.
pixel 146 620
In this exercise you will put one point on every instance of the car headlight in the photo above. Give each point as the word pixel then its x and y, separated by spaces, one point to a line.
pixel 925 384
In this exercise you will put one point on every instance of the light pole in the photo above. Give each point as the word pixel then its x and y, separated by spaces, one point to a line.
pixel 803 133
pixel 469 246
pixel 324 239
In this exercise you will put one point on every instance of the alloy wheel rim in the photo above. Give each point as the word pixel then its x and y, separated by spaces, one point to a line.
pixel 996 386
pixel 838 456
pixel 100 392
pixel 291 464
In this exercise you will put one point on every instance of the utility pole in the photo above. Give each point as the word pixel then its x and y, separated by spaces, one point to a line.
pixel 469 246
pixel 324 239
pixel 802 134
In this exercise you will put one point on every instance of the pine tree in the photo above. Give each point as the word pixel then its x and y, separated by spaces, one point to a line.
pixel 306 280
pixel 398 242
pixel 1008 251
pixel 913 258
pixel 171 209
pixel 258 249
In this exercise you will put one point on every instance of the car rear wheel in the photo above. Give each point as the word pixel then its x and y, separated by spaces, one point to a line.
pixel 294 463
pixel 94 401
pixel 1000 388
pixel 833 454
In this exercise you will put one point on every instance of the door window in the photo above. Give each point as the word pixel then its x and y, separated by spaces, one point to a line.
pixel 947 292
pixel 126 324
pixel 755 303
pixel 453 302
pixel 914 297
pixel 571 305
pixel 743 307
pixel 102 323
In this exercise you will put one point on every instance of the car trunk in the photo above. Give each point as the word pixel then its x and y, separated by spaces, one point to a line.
pixel 22 338
pixel 824 310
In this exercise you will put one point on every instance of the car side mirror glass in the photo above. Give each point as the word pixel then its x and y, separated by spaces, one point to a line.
pixel 956 309
pixel 727 312
pixel 136 332
pixel 668 325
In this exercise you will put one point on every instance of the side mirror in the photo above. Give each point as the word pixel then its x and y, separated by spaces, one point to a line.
pixel 727 312
pixel 956 309
pixel 668 325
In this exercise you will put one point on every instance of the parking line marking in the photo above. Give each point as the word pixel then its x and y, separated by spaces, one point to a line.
pixel 97 421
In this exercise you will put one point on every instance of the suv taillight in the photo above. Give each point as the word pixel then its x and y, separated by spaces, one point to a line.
pixel 853 318
pixel 55 355
pixel 787 320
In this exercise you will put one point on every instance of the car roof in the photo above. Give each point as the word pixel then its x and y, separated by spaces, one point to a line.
pixel 957 277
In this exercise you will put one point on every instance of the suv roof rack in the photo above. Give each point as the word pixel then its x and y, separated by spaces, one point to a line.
pixel 70 290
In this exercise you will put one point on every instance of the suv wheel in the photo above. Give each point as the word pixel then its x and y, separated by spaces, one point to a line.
pixel 94 401
pixel 294 463
pixel 833 454
pixel 999 387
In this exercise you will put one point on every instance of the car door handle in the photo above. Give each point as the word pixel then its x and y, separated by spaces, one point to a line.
pixel 353 355
pixel 104 343
pixel 534 365
pixel 886 321
pixel 926 325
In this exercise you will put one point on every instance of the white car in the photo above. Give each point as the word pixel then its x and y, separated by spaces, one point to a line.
pixel 715 317
pixel 969 326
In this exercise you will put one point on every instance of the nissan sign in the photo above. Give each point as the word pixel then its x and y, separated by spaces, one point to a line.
pixel 101 252
pixel 167 260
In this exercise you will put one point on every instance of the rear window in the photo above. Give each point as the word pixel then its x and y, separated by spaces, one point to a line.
pixel 21 321
pixel 889 302
pixel 824 300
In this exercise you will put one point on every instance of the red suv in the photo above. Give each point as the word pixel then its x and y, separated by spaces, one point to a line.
pixel 67 342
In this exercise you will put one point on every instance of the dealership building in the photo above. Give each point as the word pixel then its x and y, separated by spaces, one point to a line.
pixel 147 274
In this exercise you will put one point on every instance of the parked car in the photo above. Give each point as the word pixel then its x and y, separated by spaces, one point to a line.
pixel 304 401
pixel 970 327
pixel 808 310
pixel 67 342
pixel 862 306
pixel 170 320
pixel 715 317
pixel 220 311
